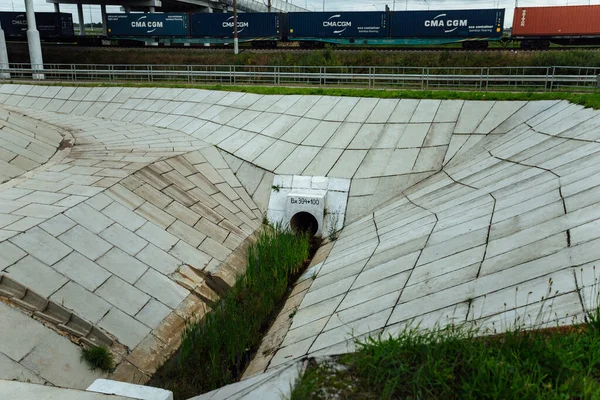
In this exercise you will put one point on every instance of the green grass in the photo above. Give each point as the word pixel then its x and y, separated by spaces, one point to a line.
pixel 590 100
pixel 98 357
pixel 457 363
pixel 18 53
pixel 216 350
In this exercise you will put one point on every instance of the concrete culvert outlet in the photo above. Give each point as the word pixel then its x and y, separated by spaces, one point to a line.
pixel 304 222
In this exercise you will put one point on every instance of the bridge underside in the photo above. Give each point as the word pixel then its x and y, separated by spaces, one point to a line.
pixel 189 5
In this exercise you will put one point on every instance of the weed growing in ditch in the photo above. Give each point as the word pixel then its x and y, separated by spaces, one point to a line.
pixel 457 363
pixel 98 357
pixel 215 351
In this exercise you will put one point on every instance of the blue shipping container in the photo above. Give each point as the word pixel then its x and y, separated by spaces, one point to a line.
pixel 250 25
pixel 50 25
pixel 338 24
pixel 140 25
pixel 449 23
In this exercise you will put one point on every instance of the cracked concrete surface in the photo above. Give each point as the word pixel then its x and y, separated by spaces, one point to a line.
pixel 475 212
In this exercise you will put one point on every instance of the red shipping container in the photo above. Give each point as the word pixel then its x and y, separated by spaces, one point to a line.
pixel 557 21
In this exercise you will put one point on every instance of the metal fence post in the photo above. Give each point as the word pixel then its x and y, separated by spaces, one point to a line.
pixel 552 80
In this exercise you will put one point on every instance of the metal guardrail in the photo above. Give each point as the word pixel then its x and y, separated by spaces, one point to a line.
pixel 559 78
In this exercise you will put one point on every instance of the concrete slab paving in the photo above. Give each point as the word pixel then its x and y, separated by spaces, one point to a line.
pixel 449 201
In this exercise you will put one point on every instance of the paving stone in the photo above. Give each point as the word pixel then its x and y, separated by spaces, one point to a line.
pixel 41 245
pixel 124 239
pixel 473 112
pixel 88 217
pixel 153 313
pixel 84 303
pixel 11 370
pixel 362 110
pixel 123 265
pixel 162 288
pixel 157 236
pixel 36 275
pixel 20 333
pixel 321 134
pixel 127 330
pixel 300 130
pixel 122 295
pixel 39 211
pixel 187 233
pixel 9 254
pixel 85 242
pixel 155 215
pixel 158 259
pixel 125 197
pixel 124 216
pixel 190 255
pixel 347 164
pixel 82 271
pixel 350 330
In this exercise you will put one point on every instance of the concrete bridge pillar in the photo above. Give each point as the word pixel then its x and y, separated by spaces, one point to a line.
pixel 104 19
pixel 33 40
pixel 81 21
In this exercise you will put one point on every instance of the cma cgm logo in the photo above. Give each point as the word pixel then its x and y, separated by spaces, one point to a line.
pixel 20 21
pixel 151 26
pixel 439 22
pixel 241 24
pixel 335 23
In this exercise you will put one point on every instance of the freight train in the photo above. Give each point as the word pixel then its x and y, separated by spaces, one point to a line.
pixel 533 27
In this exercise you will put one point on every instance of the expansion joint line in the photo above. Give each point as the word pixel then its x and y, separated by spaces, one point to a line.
pixel 562 198
pixel 487 239
pixel 350 287
pixel 559 137
pixel 459 182
pixel 418 257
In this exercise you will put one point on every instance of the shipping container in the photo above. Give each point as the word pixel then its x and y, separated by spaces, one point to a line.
pixel 447 23
pixel 148 25
pixel 250 25
pixel 50 25
pixel 556 21
pixel 337 25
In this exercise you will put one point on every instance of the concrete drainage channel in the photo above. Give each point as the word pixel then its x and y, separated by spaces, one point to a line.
pixel 314 204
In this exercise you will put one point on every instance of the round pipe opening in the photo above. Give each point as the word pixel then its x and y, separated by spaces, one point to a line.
pixel 304 222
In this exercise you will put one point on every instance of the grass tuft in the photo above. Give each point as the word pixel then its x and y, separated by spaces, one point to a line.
pixel 98 357
pixel 458 363
pixel 216 350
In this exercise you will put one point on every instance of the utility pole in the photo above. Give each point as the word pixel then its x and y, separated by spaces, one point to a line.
pixel 236 44
pixel 270 4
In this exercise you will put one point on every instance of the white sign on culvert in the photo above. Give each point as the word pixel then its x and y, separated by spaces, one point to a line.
pixel 315 203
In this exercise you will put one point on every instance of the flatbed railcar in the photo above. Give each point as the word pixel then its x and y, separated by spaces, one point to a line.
pixel 533 27
pixel 473 28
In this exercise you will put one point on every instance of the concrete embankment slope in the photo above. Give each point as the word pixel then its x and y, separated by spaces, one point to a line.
pixel 456 212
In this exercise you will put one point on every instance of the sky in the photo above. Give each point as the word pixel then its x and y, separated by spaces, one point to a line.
pixel 333 5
